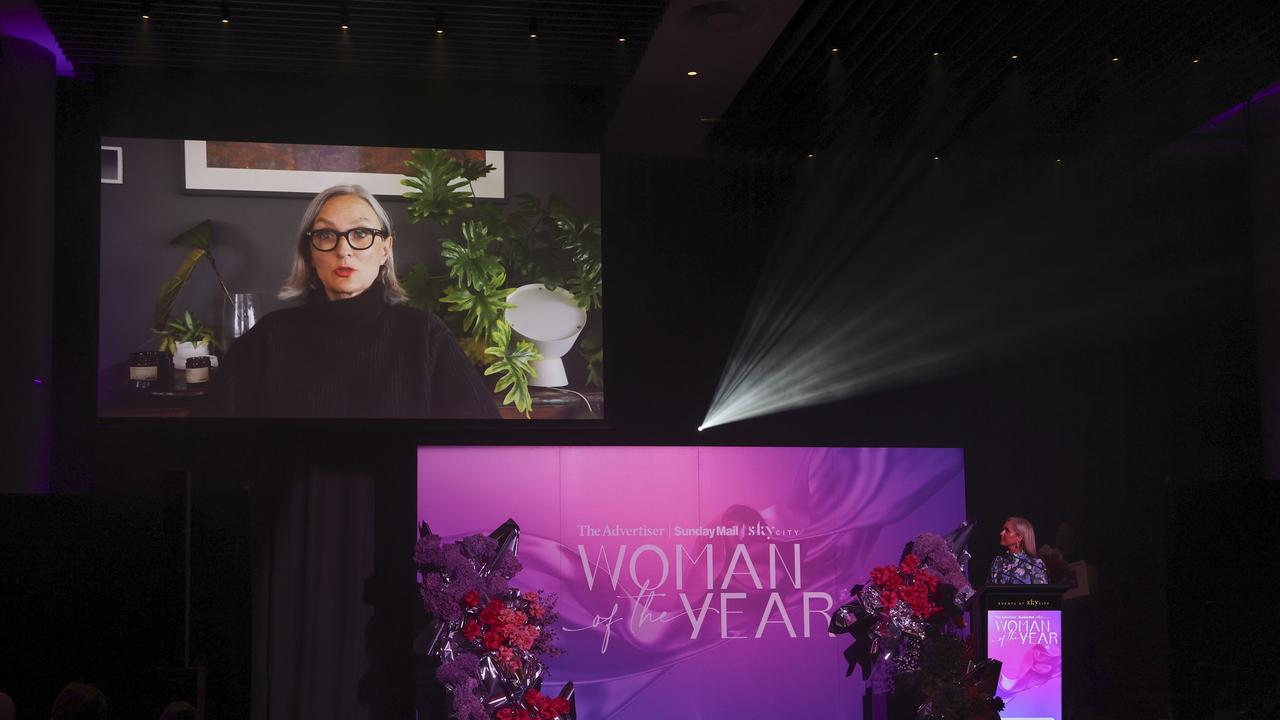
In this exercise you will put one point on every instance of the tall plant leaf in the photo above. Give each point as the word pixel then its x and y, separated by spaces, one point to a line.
pixel 515 365
pixel 200 239
pixel 483 308
pixel 200 236
pixel 439 185
pixel 172 288
pixel 423 288
pixel 472 264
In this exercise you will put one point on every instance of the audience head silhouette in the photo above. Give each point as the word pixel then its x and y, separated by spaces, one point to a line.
pixel 79 701
pixel 180 710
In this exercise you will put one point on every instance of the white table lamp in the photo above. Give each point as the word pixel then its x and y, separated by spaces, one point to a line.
pixel 552 320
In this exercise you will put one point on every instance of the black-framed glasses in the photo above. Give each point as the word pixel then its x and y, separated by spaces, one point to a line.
pixel 358 238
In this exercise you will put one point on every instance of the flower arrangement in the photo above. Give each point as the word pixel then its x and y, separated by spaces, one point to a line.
pixel 904 621
pixel 906 583
pixel 491 638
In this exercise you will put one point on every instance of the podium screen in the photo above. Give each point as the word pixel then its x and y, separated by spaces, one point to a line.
pixel 1029 644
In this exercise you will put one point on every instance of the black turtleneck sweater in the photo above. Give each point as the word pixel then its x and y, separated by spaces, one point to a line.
pixel 358 357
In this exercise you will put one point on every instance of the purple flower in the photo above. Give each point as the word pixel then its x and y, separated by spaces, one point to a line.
pixel 459 672
pixel 508 566
pixel 481 548
pixel 935 554
pixel 467 706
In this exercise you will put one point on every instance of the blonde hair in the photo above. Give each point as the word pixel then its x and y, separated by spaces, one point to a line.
pixel 1022 526
pixel 302 277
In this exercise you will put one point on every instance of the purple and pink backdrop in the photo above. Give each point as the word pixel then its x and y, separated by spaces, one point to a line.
pixel 697 580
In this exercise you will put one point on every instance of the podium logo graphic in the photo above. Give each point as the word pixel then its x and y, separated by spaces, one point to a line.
pixel 1022 603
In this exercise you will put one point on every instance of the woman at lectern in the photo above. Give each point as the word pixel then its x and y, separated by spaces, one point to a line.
pixel 351 349
pixel 1018 564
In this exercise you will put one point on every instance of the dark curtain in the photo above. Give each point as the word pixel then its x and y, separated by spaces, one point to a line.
pixel 313 549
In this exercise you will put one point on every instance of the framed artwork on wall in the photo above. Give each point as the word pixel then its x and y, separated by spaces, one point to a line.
pixel 299 169
pixel 112 165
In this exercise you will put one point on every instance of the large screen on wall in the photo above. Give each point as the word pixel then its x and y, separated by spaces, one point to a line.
pixel 282 280
pixel 695 581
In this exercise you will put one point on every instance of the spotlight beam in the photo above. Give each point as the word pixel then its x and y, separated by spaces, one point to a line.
pixel 886 275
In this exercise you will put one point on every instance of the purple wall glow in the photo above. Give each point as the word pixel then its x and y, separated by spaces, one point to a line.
pixel 24 21
pixel 697 578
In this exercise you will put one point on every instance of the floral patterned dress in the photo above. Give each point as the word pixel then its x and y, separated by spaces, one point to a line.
pixel 1017 569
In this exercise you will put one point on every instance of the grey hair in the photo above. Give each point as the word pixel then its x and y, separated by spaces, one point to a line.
pixel 302 277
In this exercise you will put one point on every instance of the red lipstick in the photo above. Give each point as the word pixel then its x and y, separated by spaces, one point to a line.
pixel 345 271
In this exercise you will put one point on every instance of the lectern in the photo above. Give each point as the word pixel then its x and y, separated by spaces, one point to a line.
pixel 1021 626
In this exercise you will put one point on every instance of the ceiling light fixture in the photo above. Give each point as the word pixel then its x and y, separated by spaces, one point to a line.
pixel 439 23
pixel 691 73
pixel 936 54
pixel 622 33
pixel 226 13
pixel 344 19
pixel 146 9
pixel 835 49
pixel 1195 61
pixel 1013 57
pixel 533 27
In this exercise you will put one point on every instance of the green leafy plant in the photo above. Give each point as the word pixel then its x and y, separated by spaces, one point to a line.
pixel 186 329
pixel 514 361
pixel 200 240
pixel 492 253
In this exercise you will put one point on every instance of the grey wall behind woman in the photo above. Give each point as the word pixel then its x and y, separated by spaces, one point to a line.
pixel 253 235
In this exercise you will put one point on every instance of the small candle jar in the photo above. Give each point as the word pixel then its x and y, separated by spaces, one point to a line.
pixel 144 369
pixel 197 372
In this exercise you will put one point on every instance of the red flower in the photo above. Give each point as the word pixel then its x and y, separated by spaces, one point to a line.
pixel 491 614
pixel 508 658
pixel 886 576
pixel 472 599
pixel 545 706
pixel 492 640
pixel 472 630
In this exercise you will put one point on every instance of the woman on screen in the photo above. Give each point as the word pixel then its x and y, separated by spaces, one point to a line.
pixel 1018 564
pixel 351 349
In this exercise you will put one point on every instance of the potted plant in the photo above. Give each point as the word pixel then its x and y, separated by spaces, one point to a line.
pixel 489 255
pixel 200 239
pixel 185 338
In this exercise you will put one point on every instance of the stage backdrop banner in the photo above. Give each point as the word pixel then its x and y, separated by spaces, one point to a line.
pixel 697 582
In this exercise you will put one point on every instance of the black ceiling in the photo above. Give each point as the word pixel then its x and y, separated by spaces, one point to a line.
pixel 577 40
pixel 800 95
pixel 804 94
